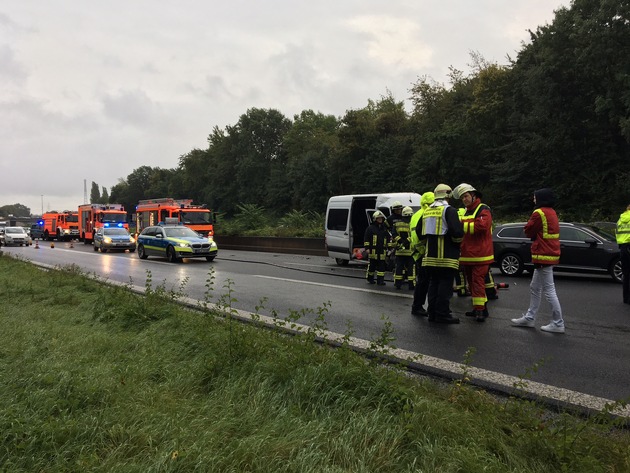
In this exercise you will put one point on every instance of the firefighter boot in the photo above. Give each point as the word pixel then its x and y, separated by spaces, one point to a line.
pixel 412 286
pixel 370 279
pixel 380 280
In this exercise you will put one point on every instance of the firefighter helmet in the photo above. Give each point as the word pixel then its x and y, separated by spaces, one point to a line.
pixel 442 191
pixel 397 205
pixel 378 214
pixel 407 212
pixel 461 189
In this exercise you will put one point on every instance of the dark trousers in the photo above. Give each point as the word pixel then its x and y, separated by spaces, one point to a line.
pixel 440 290
pixel 422 286
pixel 625 269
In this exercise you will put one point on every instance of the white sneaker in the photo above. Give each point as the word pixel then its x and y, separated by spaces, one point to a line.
pixel 552 327
pixel 523 322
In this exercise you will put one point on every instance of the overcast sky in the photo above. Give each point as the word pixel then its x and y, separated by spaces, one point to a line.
pixel 90 91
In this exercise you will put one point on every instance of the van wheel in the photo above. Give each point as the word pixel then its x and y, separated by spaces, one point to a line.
pixel 342 262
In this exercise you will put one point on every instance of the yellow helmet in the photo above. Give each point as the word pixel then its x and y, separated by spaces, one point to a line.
pixel 378 214
pixel 407 212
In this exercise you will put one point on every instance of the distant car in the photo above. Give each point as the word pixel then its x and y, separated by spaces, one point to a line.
pixel 113 238
pixel 583 248
pixel 36 232
pixel 175 242
pixel 14 236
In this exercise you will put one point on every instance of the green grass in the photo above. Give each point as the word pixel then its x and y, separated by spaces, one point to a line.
pixel 95 378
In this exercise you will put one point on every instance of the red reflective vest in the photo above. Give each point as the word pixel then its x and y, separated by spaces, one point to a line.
pixel 543 228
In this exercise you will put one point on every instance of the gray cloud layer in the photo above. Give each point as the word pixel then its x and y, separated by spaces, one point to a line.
pixel 93 90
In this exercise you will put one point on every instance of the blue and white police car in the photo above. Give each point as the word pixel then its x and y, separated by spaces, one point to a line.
pixel 174 242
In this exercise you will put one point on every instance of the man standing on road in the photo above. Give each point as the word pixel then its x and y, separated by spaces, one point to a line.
pixel 477 252
pixel 544 231
pixel 623 240
pixel 375 242
pixel 419 249
pixel 443 231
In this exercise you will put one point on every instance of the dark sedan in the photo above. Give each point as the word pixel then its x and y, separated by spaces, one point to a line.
pixel 584 248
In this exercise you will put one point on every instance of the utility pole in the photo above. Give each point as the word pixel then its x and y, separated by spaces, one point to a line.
pixel 85 191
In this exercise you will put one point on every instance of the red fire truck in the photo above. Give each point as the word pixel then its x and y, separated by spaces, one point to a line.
pixel 197 217
pixel 94 216
pixel 60 225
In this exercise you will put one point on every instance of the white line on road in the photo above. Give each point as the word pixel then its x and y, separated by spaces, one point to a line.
pixel 336 286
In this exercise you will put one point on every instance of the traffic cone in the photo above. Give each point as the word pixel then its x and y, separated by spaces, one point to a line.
pixel 71 243
pixel 37 244
pixel 52 244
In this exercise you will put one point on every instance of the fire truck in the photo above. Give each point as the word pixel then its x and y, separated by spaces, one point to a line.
pixel 197 217
pixel 60 225
pixel 94 216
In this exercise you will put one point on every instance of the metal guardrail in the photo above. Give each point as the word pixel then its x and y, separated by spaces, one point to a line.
pixel 296 246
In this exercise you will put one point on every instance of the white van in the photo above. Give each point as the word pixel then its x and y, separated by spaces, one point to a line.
pixel 348 216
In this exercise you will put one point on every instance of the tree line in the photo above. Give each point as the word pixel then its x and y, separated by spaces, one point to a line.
pixel 558 115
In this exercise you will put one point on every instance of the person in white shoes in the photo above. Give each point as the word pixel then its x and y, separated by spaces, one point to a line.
pixel 544 230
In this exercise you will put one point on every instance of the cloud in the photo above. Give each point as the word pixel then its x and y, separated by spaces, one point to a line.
pixel 393 41
pixel 11 71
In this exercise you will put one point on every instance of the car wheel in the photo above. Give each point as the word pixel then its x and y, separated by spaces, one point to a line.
pixel 95 248
pixel 103 250
pixel 141 253
pixel 615 270
pixel 511 264
pixel 210 258
pixel 342 262
pixel 171 255
pixel 132 250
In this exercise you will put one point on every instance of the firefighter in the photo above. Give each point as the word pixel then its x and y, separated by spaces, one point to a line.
pixel 622 234
pixel 394 217
pixel 443 231
pixel 419 249
pixel 477 252
pixel 375 242
pixel 405 268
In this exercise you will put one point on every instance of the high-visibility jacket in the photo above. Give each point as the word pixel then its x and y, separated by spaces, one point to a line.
pixel 402 237
pixel 441 227
pixel 375 241
pixel 420 246
pixel 543 228
pixel 477 247
pixel 623 228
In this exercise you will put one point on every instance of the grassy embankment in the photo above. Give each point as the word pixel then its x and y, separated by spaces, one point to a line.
pixel 96 378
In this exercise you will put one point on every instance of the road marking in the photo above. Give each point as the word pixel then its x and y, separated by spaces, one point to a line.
pixel 334 286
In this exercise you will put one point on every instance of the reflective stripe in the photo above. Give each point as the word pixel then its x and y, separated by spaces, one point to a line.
pixel 546 234
pixel 477 259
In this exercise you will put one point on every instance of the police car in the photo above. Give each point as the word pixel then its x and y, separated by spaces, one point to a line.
pixel 174 241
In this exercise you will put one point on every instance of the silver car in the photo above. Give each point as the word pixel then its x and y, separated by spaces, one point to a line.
pixel 14 236
pixel 114 238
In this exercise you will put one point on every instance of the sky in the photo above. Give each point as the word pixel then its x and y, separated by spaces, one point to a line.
pixel 91 91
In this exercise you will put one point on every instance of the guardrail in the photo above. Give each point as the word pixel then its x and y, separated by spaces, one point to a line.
pixel 296 246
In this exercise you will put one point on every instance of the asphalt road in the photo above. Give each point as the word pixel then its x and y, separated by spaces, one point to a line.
pixel 592 357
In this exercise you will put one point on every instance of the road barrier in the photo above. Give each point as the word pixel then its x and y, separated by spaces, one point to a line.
pixel 296 246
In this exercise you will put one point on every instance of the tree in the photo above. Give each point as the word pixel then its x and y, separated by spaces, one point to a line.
pixel 95 194
pixel 104 196
pixel 16 210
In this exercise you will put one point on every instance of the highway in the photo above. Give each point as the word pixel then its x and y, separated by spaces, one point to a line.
pixel 592 357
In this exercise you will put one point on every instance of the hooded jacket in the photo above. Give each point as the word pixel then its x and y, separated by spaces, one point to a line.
pixel 419 246
pixel 544 229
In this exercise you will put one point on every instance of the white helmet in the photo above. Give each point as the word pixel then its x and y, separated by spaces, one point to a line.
pixel 461 189
pixel 397 205
pixel 442 191
pixel 407 212
pixel 378 214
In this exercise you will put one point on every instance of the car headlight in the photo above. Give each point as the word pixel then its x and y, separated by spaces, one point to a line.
pixel 183 245
pixel 107 240
pixel 132 240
